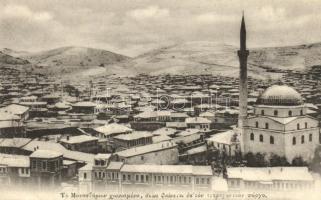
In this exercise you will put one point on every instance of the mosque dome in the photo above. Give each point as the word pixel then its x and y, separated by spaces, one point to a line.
pixel 280 95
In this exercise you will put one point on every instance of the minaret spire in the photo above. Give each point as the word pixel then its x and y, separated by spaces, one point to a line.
pixel 243 35
pixel 243 54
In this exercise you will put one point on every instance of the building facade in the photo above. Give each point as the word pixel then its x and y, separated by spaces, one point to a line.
pixel 280 125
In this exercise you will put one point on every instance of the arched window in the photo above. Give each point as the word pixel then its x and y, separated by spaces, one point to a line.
pixel 257 124
pixel 261 138
pixel 306 124
pixel 290 113
pixel 301 112
pixel 271 140
pixel 294 140
pixel 275 113
pixel 262 112
pixel 298 126
pixel 302 139
pixel 252 136
pixel 266 125
pixel 310 137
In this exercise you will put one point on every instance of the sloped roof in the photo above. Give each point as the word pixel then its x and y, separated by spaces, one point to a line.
pixel 270 173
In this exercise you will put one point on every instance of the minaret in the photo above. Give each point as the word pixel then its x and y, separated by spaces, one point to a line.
pixel 243 53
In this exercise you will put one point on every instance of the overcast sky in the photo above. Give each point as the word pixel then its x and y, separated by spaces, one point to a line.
pixel 132 27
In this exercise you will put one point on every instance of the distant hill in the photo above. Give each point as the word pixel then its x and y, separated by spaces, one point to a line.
pixel 199 57
pixel 14 53
pixel 221 59
pixel 11 60
pixel 74 56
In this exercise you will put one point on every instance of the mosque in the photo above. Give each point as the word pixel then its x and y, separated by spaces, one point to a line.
pixel 280 124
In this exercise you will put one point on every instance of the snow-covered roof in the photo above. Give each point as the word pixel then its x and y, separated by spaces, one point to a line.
pixel 207 114
pixel 134 136
pixel 164 131
pixel 146 149
pixel 14 109
pixel 160 138
pixel 45 154
pixel 115 165
pixel 102 156
pixel 169 169
pixel 196 150
pixel 84 104
pixel 78 139
pixel 197 120
pixel 113 128
pixel 270 173
pixel 14 142
pixel 53 146
pixel 222 138
pixel 188 132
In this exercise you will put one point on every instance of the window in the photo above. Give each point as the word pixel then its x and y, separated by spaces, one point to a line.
pixel 85 175
pixel 142 157
pixel 22 170
pixel 301 112
pixel 252 136
pixel 97 162
pixel 128 177
pixel 124 177
pixel 197 181
pixel 44 165
pixel 262 112
pixel 306 124
pixel 290 113
pixel 137 178
pixel 294 140
pixel 266 125
pixel 302 139
pixel 261 138
pixel 271 140
pixel 310 137
pixel 142 178
pixel 257 124
pixel 275 113
pixel 298 126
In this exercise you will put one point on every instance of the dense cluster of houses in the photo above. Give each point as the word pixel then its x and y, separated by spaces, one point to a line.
pixel 157 132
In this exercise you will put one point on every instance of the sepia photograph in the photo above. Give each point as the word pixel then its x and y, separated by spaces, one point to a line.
pixel 160 99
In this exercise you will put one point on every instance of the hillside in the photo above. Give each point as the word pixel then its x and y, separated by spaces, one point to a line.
pixel 14 53
pixel 6 59
pixel 221 59
pixel 74 56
